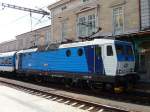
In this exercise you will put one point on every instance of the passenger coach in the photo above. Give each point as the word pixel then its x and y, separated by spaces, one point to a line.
pixel 7 61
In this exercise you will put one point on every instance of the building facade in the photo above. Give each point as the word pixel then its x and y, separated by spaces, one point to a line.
pixel 36 38
pixel 8 46
pixel 80 18
pixel 122 19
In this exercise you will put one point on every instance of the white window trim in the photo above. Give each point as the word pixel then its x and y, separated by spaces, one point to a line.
pixel 85 1
pixel 47 37
pixel 65 20
pixel 86 17
pixel 113 33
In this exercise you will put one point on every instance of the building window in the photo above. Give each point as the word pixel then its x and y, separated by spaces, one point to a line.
pixel 64 29
pixel 82 26
pixel 118 21
pixel 145 14
pixel 84 0
pixel 47 38
pixel 37 37
pixel 86 25
pixel 63 7
pixel 91 24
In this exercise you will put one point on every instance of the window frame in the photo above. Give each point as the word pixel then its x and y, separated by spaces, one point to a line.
pixel 84 1
pixel 47 37
pixel 64 29
pixel 87 21
pixel 122 49
pixel 113 21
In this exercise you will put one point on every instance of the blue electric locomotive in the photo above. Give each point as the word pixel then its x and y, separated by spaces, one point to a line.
pixel 101 60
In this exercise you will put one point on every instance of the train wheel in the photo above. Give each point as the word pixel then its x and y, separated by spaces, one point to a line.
pixel 38 79
pixel 95 87
pixel 67 82
pixel 128 87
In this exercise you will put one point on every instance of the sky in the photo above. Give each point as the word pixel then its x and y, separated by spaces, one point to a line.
pixel 15 22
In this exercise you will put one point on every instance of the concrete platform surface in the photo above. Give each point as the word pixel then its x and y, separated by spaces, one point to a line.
pixel 104 101
pixel 12 100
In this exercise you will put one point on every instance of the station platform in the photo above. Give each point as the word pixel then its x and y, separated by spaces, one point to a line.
pixel 12 100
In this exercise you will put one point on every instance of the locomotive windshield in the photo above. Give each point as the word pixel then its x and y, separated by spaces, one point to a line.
pixel 129 50
pixel 119 49
pixel 124 49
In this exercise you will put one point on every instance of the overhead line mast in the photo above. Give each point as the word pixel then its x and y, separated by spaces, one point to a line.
pixel 25 9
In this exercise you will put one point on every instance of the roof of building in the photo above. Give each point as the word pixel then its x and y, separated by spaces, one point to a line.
pixel 58 3
pixel 18 36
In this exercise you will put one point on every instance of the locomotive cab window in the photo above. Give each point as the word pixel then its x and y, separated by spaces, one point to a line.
pixel 80 52
pixel 119 49
pixel 68 53
pixel 98 51
pixel 109 50
pixel 129 51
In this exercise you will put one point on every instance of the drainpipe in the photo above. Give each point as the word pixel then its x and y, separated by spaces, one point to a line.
pixel 140 17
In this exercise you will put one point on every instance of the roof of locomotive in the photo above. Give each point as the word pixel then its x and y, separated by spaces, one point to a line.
pixel 92 42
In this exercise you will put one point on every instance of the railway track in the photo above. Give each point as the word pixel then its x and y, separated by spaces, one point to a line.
pixel 61 98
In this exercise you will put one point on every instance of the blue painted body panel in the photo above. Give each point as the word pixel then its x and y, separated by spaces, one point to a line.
pixel 57 61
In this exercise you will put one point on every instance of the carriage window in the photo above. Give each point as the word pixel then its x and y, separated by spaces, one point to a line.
pixel 109 50
pixel 119 49
pixel 80 52
pixel 68 53
pixel 98 50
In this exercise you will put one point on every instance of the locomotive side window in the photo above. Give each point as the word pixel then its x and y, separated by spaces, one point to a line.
pixel 68 53
pixel 109 50
pixel 98 51
pixel 80 52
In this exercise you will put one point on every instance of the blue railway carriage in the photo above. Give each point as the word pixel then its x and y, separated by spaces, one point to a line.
pixel 103 60
pixel 7 62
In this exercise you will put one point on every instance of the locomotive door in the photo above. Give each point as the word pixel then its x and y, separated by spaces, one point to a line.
pixel 98 62
pixel 110 60
pixel 18 56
